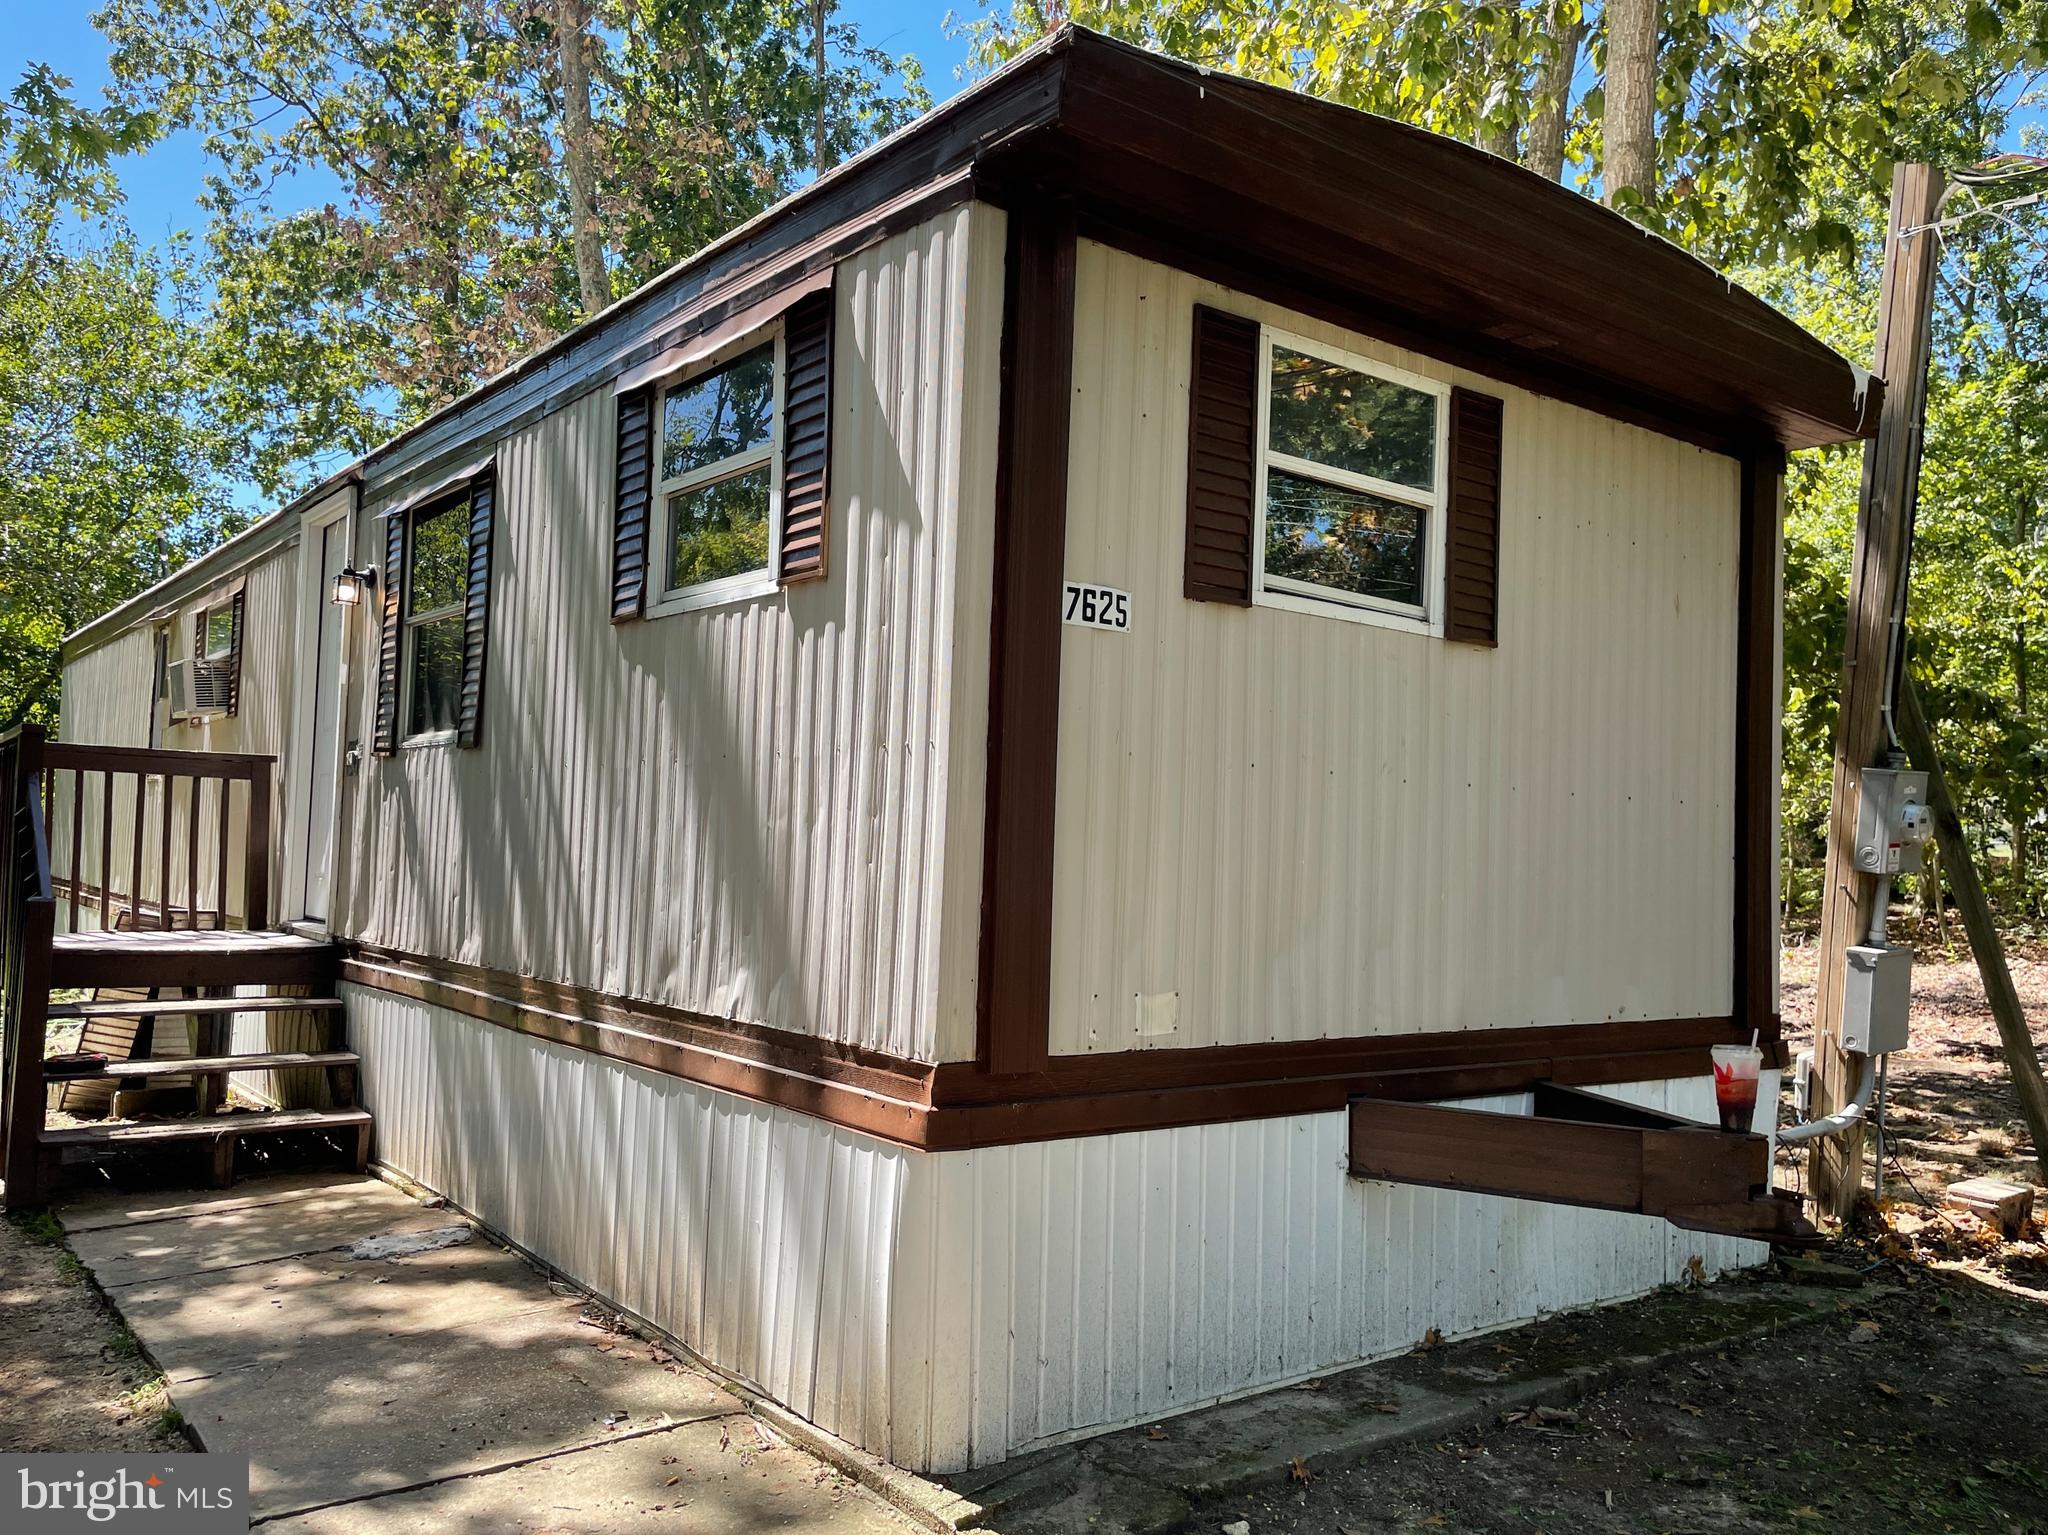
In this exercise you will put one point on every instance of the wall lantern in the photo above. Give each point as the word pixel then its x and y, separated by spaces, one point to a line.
pixel 352 585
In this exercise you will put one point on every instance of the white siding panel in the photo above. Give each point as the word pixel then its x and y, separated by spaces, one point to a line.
pixel 945 1310
pixel 1308 827
pixel 760 1238
pixel 747 810
pixel 1112 1280
pixel 108 692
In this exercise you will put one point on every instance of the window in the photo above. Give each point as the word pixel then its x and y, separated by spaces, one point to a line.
pixel 217 632
pixel 1351 486
pixel 436 590
pixel 718 503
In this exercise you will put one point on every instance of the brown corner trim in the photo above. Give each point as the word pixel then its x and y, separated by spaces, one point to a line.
pixel 1015 991
pixel 1753 992
pixel 955 1106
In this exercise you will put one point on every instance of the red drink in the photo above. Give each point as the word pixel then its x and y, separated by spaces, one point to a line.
pixel 1735 1076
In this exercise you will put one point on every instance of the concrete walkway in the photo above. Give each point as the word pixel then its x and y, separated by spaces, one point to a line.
pixel 386 1368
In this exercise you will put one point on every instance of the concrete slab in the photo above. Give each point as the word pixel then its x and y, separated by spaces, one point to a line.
pixel 248 1232
pixel 683 1482
pixel 408 1408
pixel 344 1377
pixel 124 1207
pixel 228 1319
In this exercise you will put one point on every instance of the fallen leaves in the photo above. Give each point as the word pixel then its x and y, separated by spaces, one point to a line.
pixel 1155 1432
pixel 1298 1471
pixel 1432 1339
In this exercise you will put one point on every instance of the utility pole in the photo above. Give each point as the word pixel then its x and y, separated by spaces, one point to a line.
pixel 1872 651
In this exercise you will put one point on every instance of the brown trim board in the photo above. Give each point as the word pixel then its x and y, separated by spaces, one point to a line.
pixel 1015 988
pixel 955 1106
pixel 1754 991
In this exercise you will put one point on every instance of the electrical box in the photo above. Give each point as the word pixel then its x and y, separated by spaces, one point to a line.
pixel 1892 821
pixel 1877 996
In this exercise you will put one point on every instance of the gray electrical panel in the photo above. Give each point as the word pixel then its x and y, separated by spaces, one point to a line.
pixel 1876 999
pixel 1892 821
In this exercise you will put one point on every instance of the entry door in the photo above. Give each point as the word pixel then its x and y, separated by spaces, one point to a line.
pixel 318 824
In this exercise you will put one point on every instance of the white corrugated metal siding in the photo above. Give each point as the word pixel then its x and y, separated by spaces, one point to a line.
pixel 1309 827
pixel 1086 1284
pixel 108 691
pixel 948 1309
pixel 764 1239
pixel 742 810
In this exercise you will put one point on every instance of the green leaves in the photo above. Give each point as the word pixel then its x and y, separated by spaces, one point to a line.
pixel 447 250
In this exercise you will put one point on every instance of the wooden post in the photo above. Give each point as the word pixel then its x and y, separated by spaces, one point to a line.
pixel 256 891
pixel 2020 1058
pixel 26 1028
pixel 1877 583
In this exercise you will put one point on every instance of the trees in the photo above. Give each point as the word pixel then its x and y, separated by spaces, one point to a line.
pixel 498 169
pixel 110 475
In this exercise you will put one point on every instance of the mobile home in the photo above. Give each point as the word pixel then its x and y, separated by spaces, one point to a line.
pixel 1125 753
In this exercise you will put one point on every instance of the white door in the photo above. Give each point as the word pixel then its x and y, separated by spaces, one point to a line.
pixel 317 825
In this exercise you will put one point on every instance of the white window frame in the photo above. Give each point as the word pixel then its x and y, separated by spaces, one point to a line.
pixel 1426 617
pixel 747 584
pixel 409 622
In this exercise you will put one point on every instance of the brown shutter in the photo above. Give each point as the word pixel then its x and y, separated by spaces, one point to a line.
pixel 1472 528
pixel 476 609
pixel 632 503
pixel 806 439
pixel 1223 414
pixel 235 653
pixel 385 740
pixel 199 638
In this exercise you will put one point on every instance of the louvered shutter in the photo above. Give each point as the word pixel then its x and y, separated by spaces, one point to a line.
pixel 806 439
pixel 476 608
pixel 632 503
pixel 1472 527
pixel 1223 419
pixel 235 652
pixel 385 740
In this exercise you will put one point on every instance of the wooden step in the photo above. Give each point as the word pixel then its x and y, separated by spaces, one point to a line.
pixel 186 1007
pixel 215 1065
pixel 143 1134
pixel 185 959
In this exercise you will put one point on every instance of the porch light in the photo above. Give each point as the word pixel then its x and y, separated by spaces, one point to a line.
pixel 352 585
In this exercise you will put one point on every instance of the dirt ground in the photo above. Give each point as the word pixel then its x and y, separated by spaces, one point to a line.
pixel 1951 1110
pixel 1920 1405
pixel 71 1376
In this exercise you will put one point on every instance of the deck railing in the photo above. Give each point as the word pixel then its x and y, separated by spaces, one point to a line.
pixel 28 915
pixel 151 838
pixel 104 837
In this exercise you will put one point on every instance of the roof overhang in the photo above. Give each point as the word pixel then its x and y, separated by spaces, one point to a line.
pixel 1426 241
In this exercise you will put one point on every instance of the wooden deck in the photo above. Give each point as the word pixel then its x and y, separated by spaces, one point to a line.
pixel 186 958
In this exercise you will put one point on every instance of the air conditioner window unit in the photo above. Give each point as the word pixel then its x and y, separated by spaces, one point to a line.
pixel 198 687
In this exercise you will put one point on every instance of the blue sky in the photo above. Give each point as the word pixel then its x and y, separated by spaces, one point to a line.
pixel 163 185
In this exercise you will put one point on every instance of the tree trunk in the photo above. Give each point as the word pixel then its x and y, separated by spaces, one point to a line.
pixel 1543 152
pixel 821 145
pixel 572 28
pixel 2020 1058
pixel 1629 122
